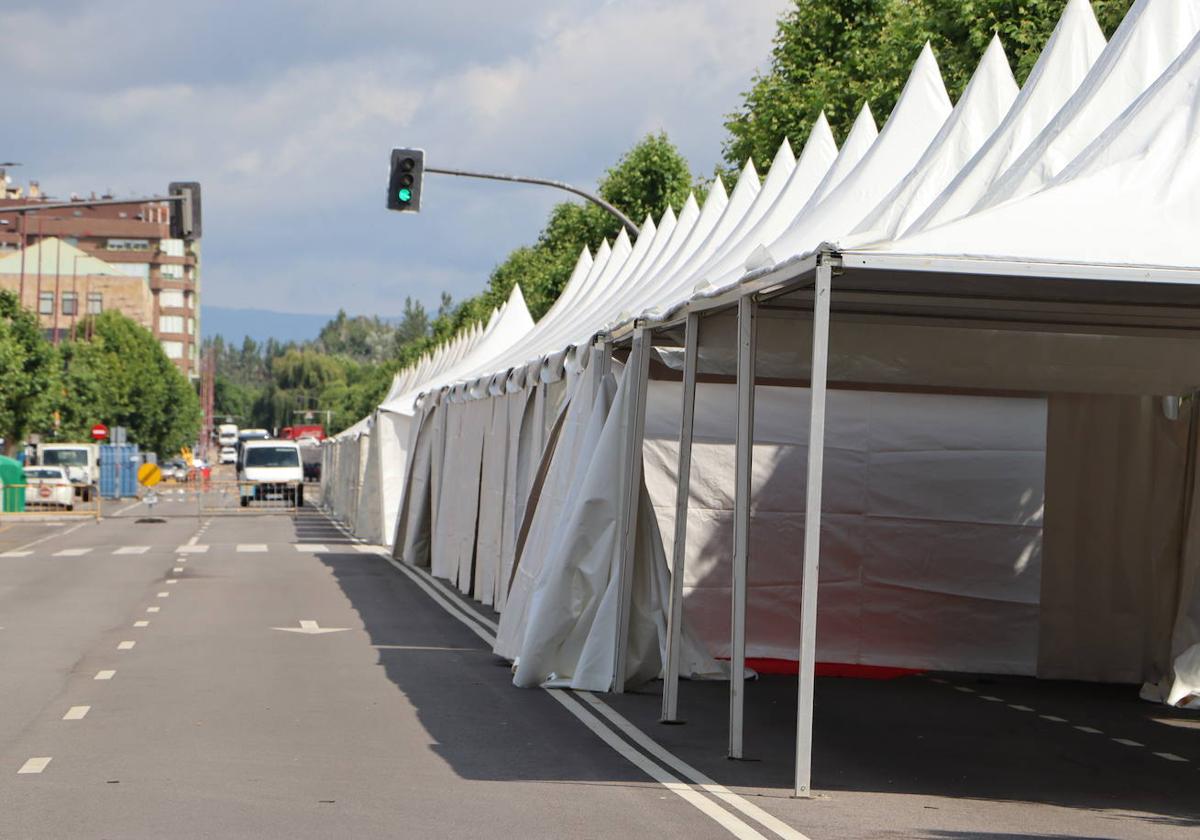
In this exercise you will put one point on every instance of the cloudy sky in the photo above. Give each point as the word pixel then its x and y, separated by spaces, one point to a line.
pixel 286 110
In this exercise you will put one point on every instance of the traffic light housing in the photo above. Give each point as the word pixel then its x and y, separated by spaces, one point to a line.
pixel 404 184
pixel 185 214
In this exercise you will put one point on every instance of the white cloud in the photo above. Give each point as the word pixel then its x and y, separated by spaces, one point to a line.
pixel 287 119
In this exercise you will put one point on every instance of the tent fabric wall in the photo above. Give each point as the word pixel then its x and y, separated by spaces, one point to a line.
pixel 1115 484
pixel 931 530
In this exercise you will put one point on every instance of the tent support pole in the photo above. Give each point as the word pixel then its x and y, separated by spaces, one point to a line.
pixel 631 481
pixel 747 338
pixel 812 528
pixel 670 702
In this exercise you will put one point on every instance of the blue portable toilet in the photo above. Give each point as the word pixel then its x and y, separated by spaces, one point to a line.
pixel 119 464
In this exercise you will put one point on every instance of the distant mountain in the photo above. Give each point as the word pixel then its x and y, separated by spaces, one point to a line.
pixel 260 324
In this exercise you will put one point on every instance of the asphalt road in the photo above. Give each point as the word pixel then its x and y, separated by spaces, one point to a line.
pixel 216 722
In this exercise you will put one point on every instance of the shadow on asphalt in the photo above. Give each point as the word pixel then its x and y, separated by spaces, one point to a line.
pixel 911 735
pixel 477 722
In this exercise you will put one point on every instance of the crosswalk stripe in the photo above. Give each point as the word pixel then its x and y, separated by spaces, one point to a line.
pixel 72 552
pixel 132 549
pixel 315 548
pixel 251 548
pixel 16 554
pixel 192 549
pixel 35 765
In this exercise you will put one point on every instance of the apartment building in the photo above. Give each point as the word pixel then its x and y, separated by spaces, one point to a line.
pixel 69 262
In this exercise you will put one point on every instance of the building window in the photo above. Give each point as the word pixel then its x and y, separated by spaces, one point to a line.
pixel 191 326
pixel 95 303
pixel 171 271
pixel 46 303
pixel 170 323
pixel 128 245
pixel 173 349
pixel 70 303
pixel 171 297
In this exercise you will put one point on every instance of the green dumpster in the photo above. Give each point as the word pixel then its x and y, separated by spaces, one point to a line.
pixel 12 480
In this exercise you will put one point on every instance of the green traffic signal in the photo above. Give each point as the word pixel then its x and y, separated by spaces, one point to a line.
pixel 405 194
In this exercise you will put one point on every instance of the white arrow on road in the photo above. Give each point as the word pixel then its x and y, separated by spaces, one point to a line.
pixel 311 628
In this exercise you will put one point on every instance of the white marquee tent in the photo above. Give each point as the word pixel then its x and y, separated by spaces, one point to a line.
pixel 1005 297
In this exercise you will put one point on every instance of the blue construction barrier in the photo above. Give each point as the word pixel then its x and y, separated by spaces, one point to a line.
pixel 119 464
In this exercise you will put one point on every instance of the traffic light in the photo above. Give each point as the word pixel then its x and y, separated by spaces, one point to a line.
pixel 404 185
pixel 185 215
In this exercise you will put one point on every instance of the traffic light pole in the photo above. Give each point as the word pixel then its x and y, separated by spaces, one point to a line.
pixel 544 182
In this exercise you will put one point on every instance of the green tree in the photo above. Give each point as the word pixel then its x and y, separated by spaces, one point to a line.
pixel 837 54
pixel 122 377
pixel 27 373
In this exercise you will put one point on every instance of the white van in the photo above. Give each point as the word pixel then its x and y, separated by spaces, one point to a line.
pixel 270 470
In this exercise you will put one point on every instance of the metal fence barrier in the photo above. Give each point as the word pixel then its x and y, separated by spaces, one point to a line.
pixel 47 500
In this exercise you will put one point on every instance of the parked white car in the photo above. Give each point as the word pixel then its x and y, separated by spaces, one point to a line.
pixel 48 487
pixel 228 455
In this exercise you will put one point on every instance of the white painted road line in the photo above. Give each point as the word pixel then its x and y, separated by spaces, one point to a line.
pixel 1019 708
pixel 1171 757
pixel 964 689
pixel 171 581
pixel 1089 730
pixel 311 548
pixel 370 549
pixel 132 549
pixel 192 549
pixel 104 675
pixel 730 822
pixel 991 699
pixel 251 548
pixel 34 765
pixel 16 554
pixel 153 609
pixel 77 713
pixel 177 570
pixel 1128 742
pixel 72 552
pixel 141 624
pixel 1053 718
pixel 164 594
pixel 126 645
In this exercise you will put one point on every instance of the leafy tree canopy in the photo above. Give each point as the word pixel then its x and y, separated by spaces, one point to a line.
pixel 837 54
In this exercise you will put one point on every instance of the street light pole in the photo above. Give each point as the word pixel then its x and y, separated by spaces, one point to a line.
pixel 544 182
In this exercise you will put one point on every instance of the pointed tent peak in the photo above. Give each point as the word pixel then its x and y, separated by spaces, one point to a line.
pixel 992 73
pixel 716 192
pixel 690 205
pixel 647 230
pixel 924 80
pixel 784 155
pixel 622 241
pixel 821 142
pixel 748 180
pixel 863 123
pixel 748 169
pixel 603 252
pixel 994 55
pixel 516 298
pixel 668 217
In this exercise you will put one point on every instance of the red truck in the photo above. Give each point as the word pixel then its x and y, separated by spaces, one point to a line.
pixel 297 432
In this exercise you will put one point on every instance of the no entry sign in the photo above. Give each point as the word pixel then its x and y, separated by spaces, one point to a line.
pixel 99 432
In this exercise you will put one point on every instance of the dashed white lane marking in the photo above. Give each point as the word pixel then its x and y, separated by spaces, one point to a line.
pixel 251 548
pixel 171 581
pixel 77 713
pixel 177 570
pixel 1127 742
pixel 192 549
pixel 132 549
pixel 153 609
pixel 72 552
pixel 1053 718
pixel 1019 707
pixel 990 698
pixel 16 554
pixel 126 645
pixel 141 624
pixel 1171 757
pixel 370 549
pixel 164 594
pixel 964 689
pixel 104 675
pixel 311 548
pixel 195 539
pixel 1091 730
pixel 35 765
